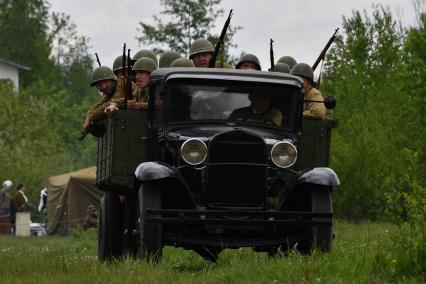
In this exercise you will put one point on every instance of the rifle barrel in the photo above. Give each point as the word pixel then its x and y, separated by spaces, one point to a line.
pixel 220 41
pixel 271 54
pixel 324 51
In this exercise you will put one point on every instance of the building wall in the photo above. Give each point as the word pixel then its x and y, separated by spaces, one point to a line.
pixel 10 72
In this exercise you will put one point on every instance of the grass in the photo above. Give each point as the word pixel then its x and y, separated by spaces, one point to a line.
pixel 73 260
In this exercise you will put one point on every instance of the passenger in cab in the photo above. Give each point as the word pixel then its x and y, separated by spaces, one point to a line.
pixel 259 110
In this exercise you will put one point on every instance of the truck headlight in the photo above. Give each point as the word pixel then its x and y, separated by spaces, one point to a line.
pixel 284 154
pixel 193 151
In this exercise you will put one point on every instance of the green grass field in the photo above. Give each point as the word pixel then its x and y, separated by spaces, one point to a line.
pixel 73 260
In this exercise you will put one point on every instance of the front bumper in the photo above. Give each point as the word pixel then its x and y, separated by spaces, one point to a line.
pixel 236 228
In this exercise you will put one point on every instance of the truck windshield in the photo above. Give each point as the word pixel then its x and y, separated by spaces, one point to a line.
pixel 193 100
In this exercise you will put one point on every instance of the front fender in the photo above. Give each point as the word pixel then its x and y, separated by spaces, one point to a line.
pixel 174 190
pixel 150 171
pixel 320 176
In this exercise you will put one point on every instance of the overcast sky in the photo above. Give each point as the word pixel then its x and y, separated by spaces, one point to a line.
pixel 300 28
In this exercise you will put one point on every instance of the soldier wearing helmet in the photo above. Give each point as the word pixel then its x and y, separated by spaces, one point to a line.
pixel 119 72
pixel 248 61
pixel 290 61
pixel 141 72
pixel 117 66
pixel 281 67
pixel 105 80
pixel 312 109
pixel 201 52
pixel 167 58
pixel 145 53
pixel 182 62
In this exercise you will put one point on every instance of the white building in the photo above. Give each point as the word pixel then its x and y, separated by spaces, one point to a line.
pixel 9 72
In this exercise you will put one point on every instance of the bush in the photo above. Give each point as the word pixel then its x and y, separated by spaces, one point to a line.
pixel 405 254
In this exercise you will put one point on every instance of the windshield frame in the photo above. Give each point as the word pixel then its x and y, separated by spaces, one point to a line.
pixel 173 79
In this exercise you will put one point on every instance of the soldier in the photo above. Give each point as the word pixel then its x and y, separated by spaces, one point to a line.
pixel 118 70
pixel 290 61
pixel 201 52
pixel 167 58
pixel 281 67
pixel 105 80
pixel 145 53
pixel 314 109
pixel 117 66
pixel 142 72
pixel 248 61
pixel 91 219
pixel 259 111
pixel 182 62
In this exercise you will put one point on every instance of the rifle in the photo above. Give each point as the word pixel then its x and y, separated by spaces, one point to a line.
pixel 123 65
pixel 324 51
pixel 97 59
pixel 86 131
pixel 220 42
pixel 271 54
pixel 129 94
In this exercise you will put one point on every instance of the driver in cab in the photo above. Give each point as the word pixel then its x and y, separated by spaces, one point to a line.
pixel 258 111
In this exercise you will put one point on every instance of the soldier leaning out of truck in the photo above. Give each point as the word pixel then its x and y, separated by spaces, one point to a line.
pixel 105 80
pixel 314 108
pixel 142 72
pixel 259 111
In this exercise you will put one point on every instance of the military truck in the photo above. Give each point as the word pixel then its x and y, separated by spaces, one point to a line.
pixel 185 173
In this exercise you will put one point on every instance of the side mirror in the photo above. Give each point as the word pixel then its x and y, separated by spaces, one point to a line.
pixel 330 102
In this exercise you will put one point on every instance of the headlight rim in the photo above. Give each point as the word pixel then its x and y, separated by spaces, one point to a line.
pixel 185 143
pixel 295 157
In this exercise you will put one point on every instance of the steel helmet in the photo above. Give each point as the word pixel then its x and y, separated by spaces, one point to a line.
pixel 118 63
pixel 281 67
pixel 182 62
pixel 290 61
pixel 167 58
pixel 144 64
pixel 303 70
pixel 248 58
pixel 102 73
pixel 145 53
pixel 199 46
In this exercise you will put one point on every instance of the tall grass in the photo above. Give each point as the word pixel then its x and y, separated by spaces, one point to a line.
pixel 73 260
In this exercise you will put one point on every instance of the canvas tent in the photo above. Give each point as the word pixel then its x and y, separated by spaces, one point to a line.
pixel 68 197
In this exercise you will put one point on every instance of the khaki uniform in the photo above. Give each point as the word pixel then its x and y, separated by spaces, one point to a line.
pixel 314 110
pixel 270 116
pixel 98 111
pixel 119 95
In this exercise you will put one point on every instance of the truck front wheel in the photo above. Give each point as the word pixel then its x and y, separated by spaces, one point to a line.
pixel 150 233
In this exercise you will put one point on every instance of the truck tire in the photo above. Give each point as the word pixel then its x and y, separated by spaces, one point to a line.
pixel 110 237
pixel 150 234
pixel 321 235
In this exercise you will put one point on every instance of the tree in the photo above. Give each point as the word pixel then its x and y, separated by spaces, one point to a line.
pixel 189 20
pixel 71 54
pixel 363 71
pixel 24 38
